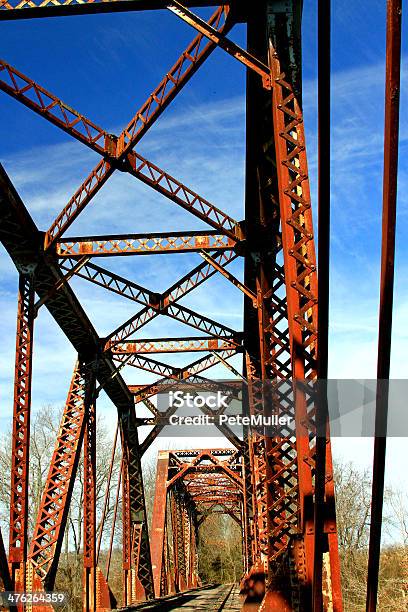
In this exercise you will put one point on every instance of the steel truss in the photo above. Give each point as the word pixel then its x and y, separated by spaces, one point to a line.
pixel 275 505
pixel 266 484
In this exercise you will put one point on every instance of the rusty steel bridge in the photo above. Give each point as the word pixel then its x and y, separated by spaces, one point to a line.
pixel 279 489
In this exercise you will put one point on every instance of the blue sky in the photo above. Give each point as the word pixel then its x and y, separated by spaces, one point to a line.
pixel 105 66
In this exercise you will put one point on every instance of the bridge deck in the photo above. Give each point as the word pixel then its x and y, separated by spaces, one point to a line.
pixel 223 597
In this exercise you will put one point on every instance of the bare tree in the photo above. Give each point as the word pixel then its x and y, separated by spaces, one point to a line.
pixel 399 505
pixel 353 499
pixel 44 430
pixel 220 550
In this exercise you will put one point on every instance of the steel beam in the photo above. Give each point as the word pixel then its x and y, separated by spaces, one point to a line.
pixel 81 198
pixel 197 321
pixel 237 283
pixel 49 528
pixel 300 269
pixel 126 537
pixel 300 280
pixel 177 192
pixel 258 173
pixel 322 426
pixel 31 9
pixel 195 278
pixel 174 311
pixel 174 345
pixel 135 505
pixel 20 463
pixel 112 282
pixel 148 364
pixel 132 291
pixel 390 181
pixel 158 530
pixel 44 103
pixel 89 505
pixel 240 54
pixel 142 244
pixel 188 63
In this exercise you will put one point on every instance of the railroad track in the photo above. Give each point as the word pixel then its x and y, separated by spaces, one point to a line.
pixel 213 598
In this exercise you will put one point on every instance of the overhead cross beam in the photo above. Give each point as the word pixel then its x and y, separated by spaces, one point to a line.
pixel 146 363
pixel 111 282
pixel 28 9
pixel 133 291
pixel 174 311
pixel 142 244
pixel 173 345
pixel 166 304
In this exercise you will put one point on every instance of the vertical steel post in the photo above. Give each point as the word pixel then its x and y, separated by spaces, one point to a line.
pixel 391 130
pixel 299 272
pixel 247 512
pixel 179 541
pixel 298 254
pixel 158 531
pixel 323 292
pixel 126 534
pixel 90 496
pixel 256 174
pixel 21 432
